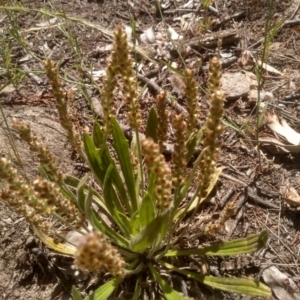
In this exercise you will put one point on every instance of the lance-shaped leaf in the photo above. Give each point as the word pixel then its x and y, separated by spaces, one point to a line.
pixel 75 293
pixel 74 182
pixel 135 149
pixel 135 223
pixel 80 193
pixel 148 234
pixel 147 210
pixel 110 197
pixel 98 136
pixel 122 150
pixel 113 236
pixel 99 161
pixel 249 244
pixel 151 127
pixel 238 285
pixel 104 291
pixel 169 293
pixel 193 143
pixel 233 285
pixel 137 289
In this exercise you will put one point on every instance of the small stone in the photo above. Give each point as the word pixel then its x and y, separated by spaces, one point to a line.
pixel 235 85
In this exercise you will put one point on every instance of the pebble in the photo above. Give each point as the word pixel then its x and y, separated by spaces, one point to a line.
pixel 235 85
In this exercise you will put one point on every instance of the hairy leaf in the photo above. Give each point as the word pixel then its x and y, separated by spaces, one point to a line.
pixel 147 210
pixel 104 291
pixel 233 285
pixel 122 150
pixel 249 244
pixel 148 234
pixel 75 293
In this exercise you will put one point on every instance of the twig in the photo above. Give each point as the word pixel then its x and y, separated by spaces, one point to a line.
pixel 227 196
pixel 256 199
pixel 240 209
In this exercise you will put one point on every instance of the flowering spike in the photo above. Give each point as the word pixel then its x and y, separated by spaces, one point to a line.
pixel 62 98
pixel 95 253
pixel 157 165
pixel 213 128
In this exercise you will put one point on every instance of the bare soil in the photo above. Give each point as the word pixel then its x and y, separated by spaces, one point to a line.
pixel 28 270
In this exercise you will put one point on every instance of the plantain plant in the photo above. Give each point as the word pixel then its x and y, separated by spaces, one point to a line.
pixel 146 199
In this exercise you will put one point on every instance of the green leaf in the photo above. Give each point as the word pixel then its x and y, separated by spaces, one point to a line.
pixel 122 150
pixel 147 235
pixel 109 194
pixel 250 244
pixel 233 285
pixel 135 223
pixel 137 289
pixel 75 293
pixel 73 182
pixel 169 293
pixel 123 222
pixel 93 158
pixel 147 210
pixel 135 151
pixel 104 291
pixel 193 143
pixel 88 203
pixel 99 166
pixel 80 193
pixel 151 127
pixel 115 237
pixel 237 285
pixel 98 138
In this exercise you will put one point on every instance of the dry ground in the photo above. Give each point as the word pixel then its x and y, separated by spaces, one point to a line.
pixel 24 274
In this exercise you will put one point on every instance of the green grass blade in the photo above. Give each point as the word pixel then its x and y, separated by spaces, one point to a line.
pixel 250 244
pixel 122 150
pixel 104 291
pixel 169 293
pixel 151 126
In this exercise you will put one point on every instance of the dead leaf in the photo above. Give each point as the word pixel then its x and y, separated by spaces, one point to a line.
pixel 282 128
pixel 148 36
pixel 282 286
pixel 290 195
